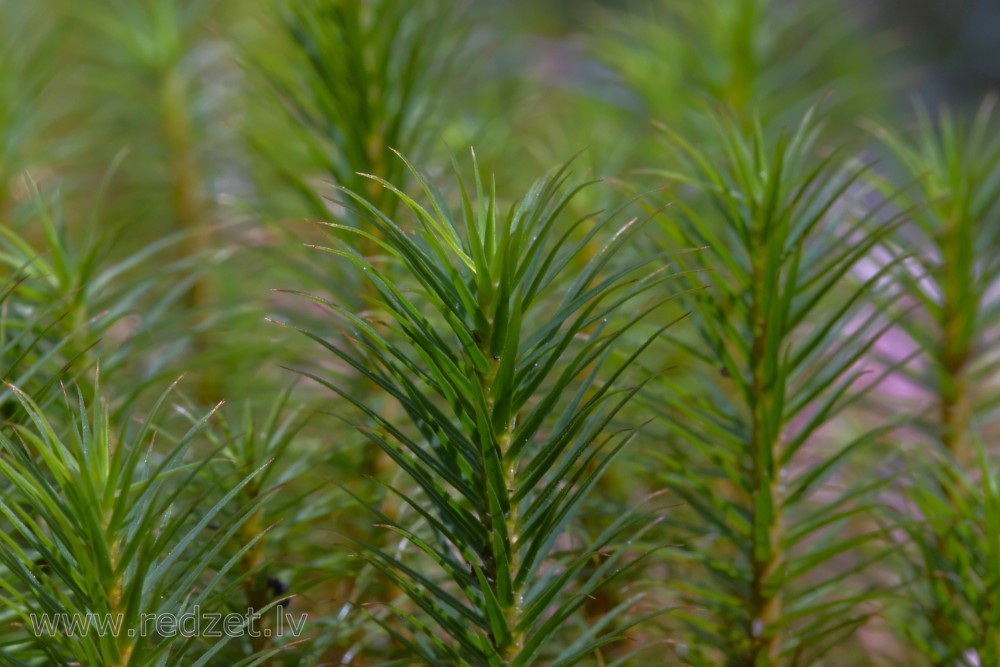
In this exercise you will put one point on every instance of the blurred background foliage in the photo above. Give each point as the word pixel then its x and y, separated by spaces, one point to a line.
pixel 162 163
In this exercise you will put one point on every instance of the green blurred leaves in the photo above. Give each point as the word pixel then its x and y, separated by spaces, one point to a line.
pixel 780 236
